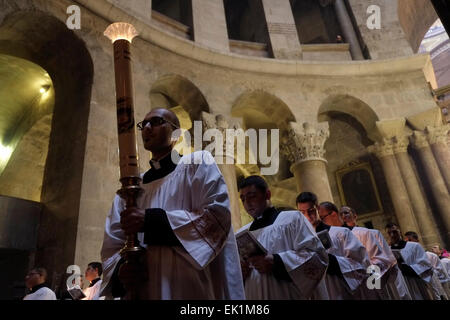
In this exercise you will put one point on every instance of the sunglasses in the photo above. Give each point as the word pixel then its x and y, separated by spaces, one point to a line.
pixel 155 122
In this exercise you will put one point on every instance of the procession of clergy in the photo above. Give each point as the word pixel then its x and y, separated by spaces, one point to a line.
pixel 317 252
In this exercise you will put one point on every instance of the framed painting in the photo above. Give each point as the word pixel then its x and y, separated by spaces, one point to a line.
pixel 357 189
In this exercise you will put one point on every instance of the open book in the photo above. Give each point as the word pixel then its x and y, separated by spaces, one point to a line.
pixel 76 293
pixel 324 237
pixel 248 246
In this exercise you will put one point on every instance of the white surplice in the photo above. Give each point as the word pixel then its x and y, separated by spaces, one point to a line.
pixel 415 257
pixel 304 257
pixel 441 275
pixel 93 293
pixel 41 294
pixel 353 262
pixel 196 202
pixel 392 283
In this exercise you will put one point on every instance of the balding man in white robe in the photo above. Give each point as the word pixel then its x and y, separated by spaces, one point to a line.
pixel 348 259
pixel 392 283
pixel 295 261
pixel 183 220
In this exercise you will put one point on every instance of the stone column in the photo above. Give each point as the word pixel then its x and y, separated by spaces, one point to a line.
pixel 348 29
pixel 438 137
pixel 397 189
pixel 437 183
pixel 424 217
pixel 282 30
pixel 226 166
pixel 304 147
pixel 210 25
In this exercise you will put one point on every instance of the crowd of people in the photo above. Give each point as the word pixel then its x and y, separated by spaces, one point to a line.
pixel 183 221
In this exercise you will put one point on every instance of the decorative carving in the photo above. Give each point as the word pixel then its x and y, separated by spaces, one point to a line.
pixel 437 134
pixel 382 149
pixel 306 142
pixel 419 140
pixel 401 143
pixel 220 123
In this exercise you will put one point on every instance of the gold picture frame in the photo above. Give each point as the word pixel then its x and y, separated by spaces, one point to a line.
pixel 357 189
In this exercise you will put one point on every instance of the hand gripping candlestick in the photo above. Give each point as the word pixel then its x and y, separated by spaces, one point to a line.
pixel 121 34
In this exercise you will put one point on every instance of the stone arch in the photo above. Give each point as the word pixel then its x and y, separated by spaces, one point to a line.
pixel 262 110
pixel 254 106
pixel 416 17
pixel 172 90
pixel 354 107
pixel 47 42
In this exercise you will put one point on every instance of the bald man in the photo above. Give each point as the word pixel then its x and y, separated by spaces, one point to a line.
pixel 183 220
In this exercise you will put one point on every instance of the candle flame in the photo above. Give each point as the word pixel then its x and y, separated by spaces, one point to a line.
pixel 120 31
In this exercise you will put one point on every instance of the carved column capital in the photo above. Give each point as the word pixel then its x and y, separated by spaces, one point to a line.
pixel 382 149
pixel 437 134
pixel 221 123
pixel 305 142
pixel 419 140
pixel 400 143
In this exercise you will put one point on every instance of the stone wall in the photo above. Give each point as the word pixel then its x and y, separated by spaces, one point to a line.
pixel 391 89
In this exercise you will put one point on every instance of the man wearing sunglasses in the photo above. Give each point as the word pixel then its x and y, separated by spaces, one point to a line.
pixel 348 259
pixel 35 282
pixel 182 219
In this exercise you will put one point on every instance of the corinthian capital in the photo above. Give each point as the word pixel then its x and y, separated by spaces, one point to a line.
pixel 419 140
pixel 400 143
pixel 305 142
pixel 382 149
pixel 218 125
pixel 437 134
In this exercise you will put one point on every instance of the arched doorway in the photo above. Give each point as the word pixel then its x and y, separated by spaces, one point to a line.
pixel 352 125
pixel 45 41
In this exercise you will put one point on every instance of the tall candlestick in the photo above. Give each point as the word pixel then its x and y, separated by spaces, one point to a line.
pixel 121 34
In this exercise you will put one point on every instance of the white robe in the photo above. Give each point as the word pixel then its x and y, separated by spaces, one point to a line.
pixel 393 285
pixel 41 294
pixel 415 257
pixel 441 275
pixel 196 201
pixel 93 293
pixel 353 262
pixel 305 259
pixel 446 265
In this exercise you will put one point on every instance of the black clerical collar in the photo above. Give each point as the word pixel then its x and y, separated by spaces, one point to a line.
pixel 399 245
pixel 36 288
pixel 159 169
pixel 266 219
pixel 345 225
pixel 322 226
pixel 93 282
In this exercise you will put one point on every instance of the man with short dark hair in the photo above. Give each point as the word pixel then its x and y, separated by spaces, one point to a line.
pixel 411 236
pixel 414 264
pixel 35 282
pixel 93 274
pixel 295 261
pixel 392 283
pixel 348 259
pixel 182 219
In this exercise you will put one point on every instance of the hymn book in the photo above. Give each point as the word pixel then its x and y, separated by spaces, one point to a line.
pixel 248 245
